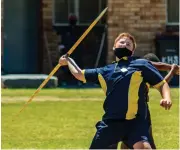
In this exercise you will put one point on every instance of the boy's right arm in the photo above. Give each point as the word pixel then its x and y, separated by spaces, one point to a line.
pixel 73 67
pixel 165 67
pixel 87 75
pixel 171 73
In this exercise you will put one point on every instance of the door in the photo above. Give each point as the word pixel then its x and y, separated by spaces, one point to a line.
pixel 21 36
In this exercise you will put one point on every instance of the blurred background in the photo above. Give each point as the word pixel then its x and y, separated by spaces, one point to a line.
pixel 35 33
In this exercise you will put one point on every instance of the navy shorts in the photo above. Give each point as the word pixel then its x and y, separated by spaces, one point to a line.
pixel 110 132
pixel 127 142
pixel 148 117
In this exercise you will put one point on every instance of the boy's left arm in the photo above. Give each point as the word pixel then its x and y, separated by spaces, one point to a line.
pixel 166 98
pixel 154 78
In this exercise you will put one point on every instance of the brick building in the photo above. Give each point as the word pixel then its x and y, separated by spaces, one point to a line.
pixel 142 18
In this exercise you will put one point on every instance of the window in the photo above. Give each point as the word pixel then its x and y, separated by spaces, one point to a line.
pixel 61 7
pixel 172 12
pixel 86 11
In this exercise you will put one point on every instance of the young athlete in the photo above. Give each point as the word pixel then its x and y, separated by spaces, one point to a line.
pixel 125 106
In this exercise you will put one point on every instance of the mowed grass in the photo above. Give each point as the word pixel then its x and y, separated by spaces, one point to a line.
pixel 70 124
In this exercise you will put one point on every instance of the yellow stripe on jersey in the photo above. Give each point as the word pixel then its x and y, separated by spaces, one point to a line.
pixel 133 97
pixel 84 80
pixel 102 83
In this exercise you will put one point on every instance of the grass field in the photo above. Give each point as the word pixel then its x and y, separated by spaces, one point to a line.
pixel 65 118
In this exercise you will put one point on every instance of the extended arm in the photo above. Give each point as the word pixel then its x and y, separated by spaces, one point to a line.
pixel 73 67
pixel 171 73
pixel 165 67
pixel 161 66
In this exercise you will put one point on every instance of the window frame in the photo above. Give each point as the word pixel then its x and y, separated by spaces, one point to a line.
pixel 76 13
pixel 167 22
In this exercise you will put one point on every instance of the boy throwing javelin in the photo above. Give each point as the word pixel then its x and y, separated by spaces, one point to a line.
pixel 125 105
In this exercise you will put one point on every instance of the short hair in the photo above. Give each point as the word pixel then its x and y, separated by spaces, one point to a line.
pixel 151 57
pixel 121 35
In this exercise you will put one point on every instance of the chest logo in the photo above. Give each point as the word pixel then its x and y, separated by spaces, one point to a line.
pixel 123 69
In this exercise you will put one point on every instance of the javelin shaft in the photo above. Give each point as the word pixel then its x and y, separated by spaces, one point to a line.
pixel 40 87
pixel 69 53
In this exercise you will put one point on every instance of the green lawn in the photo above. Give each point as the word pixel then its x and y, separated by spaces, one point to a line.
pixel 70 124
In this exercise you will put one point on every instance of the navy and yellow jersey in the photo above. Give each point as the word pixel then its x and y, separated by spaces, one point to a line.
pixel 124 85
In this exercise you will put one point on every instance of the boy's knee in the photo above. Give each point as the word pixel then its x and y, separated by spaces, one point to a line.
pixel 147 145
pixel 142 145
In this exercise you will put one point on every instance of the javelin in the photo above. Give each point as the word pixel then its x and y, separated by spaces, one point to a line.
pixel 69 53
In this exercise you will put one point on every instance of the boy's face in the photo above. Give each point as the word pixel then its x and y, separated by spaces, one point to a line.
pixel 125 42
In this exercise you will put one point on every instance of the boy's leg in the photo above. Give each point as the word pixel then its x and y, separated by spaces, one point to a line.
pixel 139 138
pixel 151 139
pixel 125 145
pixel 107 135
pixel 142 145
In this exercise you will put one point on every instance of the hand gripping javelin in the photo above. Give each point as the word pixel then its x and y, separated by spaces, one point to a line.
pixel 68 53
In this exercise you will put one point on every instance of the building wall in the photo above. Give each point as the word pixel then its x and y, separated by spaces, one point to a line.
pixel 50 45
pixel 50 53
pixel 141 18
pixel 2 16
